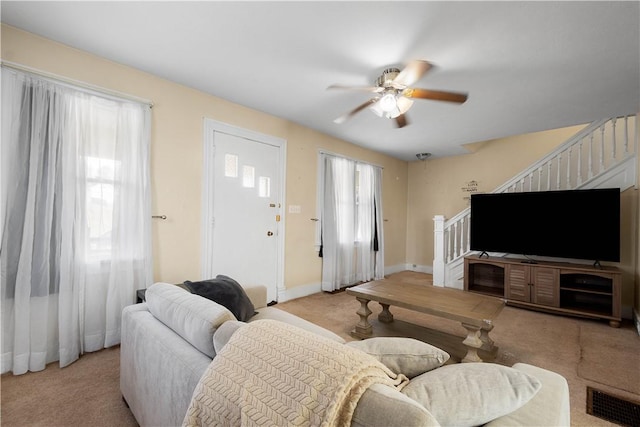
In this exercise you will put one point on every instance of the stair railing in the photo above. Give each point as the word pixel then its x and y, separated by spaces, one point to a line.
pixel 583 158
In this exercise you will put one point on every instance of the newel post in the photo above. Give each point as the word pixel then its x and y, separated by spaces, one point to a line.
pixel 438 250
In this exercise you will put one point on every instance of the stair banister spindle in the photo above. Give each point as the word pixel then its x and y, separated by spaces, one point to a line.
pixel 452 240
pixel 591 156
pixel 579 171
pixel 549 175
pixel 602 148
pixel 447 248
pixel 615 142
pixel 539 177
pixel 455 239
pixel 462 224
pixel 569 168
pixel 626 136
pixel 558 171
pixel 531 181
pixel 468 245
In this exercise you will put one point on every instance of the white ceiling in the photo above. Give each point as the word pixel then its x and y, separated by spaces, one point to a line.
pixel 527 66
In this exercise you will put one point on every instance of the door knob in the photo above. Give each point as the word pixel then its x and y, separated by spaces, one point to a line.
pixel 269 233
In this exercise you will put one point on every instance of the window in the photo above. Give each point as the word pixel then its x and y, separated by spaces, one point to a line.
pixel 359 192
pixel 248 176
pixel 264 187
pixel 231 165
pixel 99 200
pixel 349 230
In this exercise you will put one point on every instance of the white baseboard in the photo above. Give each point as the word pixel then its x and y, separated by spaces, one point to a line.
pixel 299 291
pixel 313 288
pixel 408 267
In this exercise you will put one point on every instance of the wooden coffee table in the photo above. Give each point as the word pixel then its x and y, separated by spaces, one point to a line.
pixel 475 312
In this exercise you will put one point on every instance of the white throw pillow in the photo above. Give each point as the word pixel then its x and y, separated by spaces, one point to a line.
pixel 192 317
pixel 471 394
pixel 403 355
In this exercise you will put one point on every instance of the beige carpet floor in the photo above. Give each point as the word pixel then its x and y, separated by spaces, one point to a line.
pixel 85 393
pixel 585 352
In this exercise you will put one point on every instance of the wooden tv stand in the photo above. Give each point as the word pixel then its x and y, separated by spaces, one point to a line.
pixel 573 289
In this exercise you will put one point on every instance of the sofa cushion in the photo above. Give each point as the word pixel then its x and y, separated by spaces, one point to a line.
pixel 549 407
pixel 227 292
pixel 471 394
pixel 406 356
pixel 192 317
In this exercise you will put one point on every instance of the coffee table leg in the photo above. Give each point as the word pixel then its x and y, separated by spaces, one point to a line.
pixel 385 315
pixel 363 327
pixel 487 343
pixel 473 343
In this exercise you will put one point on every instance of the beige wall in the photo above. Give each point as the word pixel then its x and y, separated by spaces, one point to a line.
pixel 435 186
pixel 628 246
pixel 176 159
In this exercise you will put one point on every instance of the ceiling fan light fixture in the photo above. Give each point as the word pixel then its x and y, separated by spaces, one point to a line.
pixel 389 103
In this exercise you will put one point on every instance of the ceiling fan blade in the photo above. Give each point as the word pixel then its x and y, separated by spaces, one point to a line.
pixel 411 73
pixel 360 88
pixel 401 121
pixel 435 95
pixel 404 104
pixel 356 110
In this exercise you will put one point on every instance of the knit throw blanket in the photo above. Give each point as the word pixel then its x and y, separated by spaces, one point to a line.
pixel 274 374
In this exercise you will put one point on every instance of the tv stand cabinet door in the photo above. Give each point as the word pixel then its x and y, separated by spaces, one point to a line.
pixel 518 282
pixel 546 286
pixel 533 284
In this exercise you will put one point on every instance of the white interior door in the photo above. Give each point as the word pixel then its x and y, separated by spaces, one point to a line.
pixel 245 214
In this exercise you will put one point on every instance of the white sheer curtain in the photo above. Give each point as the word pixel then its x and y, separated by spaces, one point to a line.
pixel 75 219
pixel 351 223
pixel 369 252
pixel 338 232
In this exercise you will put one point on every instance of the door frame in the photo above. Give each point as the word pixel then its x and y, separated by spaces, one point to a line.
pixel 208 179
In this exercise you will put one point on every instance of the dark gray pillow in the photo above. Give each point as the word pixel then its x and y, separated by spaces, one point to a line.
pixel 227 292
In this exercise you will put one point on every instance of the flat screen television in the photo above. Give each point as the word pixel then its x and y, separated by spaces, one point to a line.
pixel 577 224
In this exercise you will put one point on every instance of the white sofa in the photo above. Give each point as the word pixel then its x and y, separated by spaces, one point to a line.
pixel 167 344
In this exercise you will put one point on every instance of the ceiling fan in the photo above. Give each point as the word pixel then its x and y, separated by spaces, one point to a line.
pixel 394 97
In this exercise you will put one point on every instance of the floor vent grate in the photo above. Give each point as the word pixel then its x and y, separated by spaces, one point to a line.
pixel 612 408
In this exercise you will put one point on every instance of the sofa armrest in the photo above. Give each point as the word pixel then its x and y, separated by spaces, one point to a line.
pixel 257 294
pixel 382 405
pixel 158 369
pixel 549 407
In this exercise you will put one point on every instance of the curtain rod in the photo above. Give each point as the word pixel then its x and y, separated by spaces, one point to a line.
pixel 83 85
pixel 329 153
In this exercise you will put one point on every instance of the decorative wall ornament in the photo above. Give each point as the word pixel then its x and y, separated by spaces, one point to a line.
pixel 469 188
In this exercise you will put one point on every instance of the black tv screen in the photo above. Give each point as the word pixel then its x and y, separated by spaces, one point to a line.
pixel 579 224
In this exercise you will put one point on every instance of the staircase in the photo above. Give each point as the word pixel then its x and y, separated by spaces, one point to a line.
pixel 602 155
